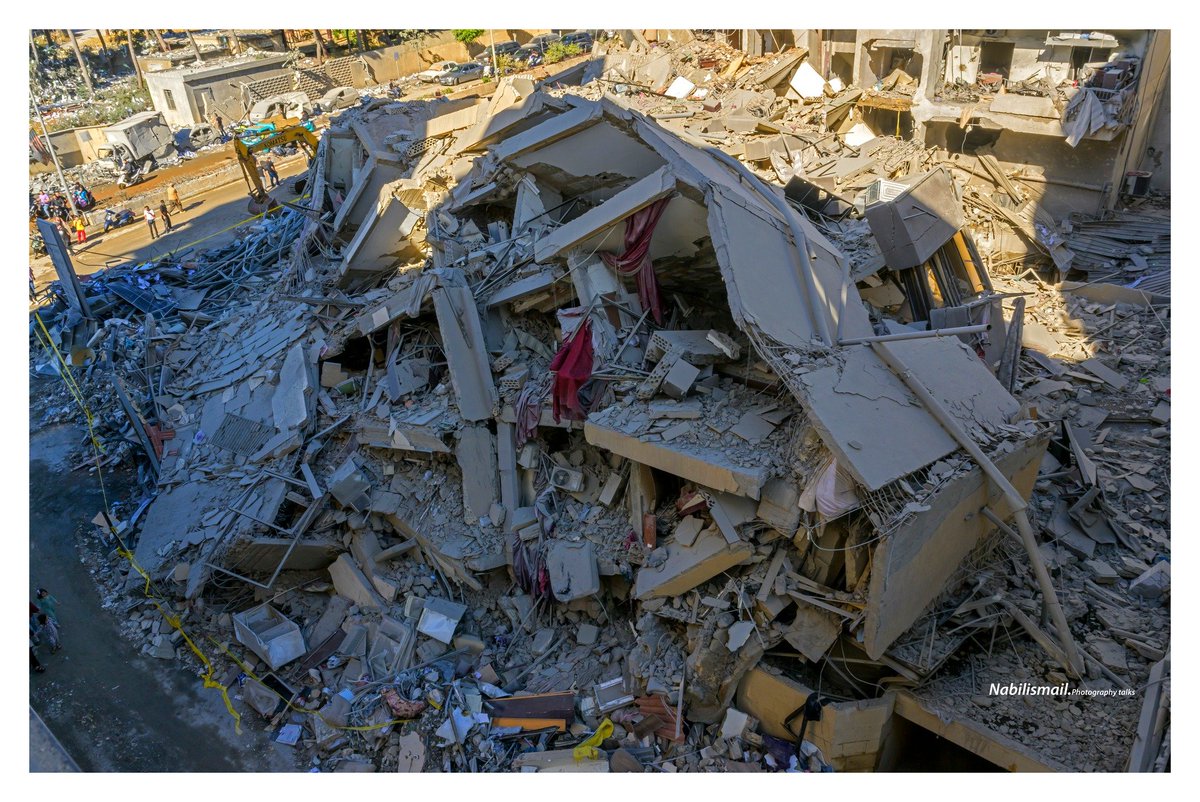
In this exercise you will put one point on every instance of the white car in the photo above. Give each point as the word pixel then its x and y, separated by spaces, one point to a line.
pixel 436 71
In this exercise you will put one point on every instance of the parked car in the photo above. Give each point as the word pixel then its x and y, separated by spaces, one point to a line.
pixel 581 38
pixel 342 97
pixel 528 56
pixel 290 105
pixel 541 42
pixel 502 49
pixel 436 71
pixel 463 72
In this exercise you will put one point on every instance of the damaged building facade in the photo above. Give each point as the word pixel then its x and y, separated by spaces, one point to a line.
pixel 583 409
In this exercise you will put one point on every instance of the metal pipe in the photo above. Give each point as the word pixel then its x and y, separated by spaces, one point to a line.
pixel 978 328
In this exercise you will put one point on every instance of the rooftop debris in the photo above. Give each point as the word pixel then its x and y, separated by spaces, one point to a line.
pixel 592 427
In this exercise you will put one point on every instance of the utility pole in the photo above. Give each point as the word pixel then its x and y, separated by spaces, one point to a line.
pixel 162 43
pixel 58 167
pixel 33 48
pixel 137 68
pixel 495 66
pixel 87 75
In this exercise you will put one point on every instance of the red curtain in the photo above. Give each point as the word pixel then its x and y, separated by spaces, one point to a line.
pixel 573 367
pixel 639 230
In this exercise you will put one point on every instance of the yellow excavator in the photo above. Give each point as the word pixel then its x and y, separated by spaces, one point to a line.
pixel 260 200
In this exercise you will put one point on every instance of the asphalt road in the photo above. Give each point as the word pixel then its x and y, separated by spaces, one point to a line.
pixel 112 708
pixel 205 214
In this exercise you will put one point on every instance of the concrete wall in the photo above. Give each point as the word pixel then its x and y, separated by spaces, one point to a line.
pixel 1077 174
pixel 390 63
pixel 1159 161
pixel 1032 57
pixel 66 147
pixel 196 92
pixel 76 146
pixel 927 54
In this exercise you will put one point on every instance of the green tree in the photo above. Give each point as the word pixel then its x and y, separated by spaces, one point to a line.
pixel 467 35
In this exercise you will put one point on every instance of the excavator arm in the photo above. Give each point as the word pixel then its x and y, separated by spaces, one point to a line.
pixel 298 134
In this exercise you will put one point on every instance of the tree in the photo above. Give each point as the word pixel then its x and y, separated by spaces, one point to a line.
pixel 320 47
pixel 466 36
pixel 83 67
pixel 137 68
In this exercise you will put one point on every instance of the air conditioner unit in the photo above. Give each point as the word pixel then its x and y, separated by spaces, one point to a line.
pixel 566 479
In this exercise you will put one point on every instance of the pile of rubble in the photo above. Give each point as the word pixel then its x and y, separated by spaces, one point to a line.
pixel 598 429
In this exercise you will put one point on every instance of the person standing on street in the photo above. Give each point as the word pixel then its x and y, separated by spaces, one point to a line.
pixel 272 172
pixel 162 211
pixel 80 231
pixel 150 222
pixel 47 631
pixel 173 202
pixel 66 235
pixel 219 124
pixel 47 604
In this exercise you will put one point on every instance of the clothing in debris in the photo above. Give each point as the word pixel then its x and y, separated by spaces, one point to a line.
pixel 635 261
pixel 529 408
pixel 573 367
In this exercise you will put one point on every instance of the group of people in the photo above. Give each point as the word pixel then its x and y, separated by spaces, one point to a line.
pixel 44 627
pixel 165 207
pixel 54 205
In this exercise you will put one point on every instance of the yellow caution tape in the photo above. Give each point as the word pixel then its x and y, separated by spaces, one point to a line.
pixel 77 394
pixel 175 623
pixel 229 228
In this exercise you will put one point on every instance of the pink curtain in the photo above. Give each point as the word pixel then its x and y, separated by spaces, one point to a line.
pixel 639 230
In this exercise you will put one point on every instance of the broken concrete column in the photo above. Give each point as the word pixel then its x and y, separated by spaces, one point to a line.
pixel 476 454
pixel 466 350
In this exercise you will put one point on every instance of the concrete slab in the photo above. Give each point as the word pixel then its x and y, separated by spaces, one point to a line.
pixel 292 402
pixel 708 467
pixel 879 432
pixel 688 566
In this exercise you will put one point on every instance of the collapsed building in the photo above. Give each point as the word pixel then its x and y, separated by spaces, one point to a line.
pixel 558 414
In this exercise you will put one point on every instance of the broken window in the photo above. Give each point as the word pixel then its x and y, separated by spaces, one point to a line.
pixel 169 98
